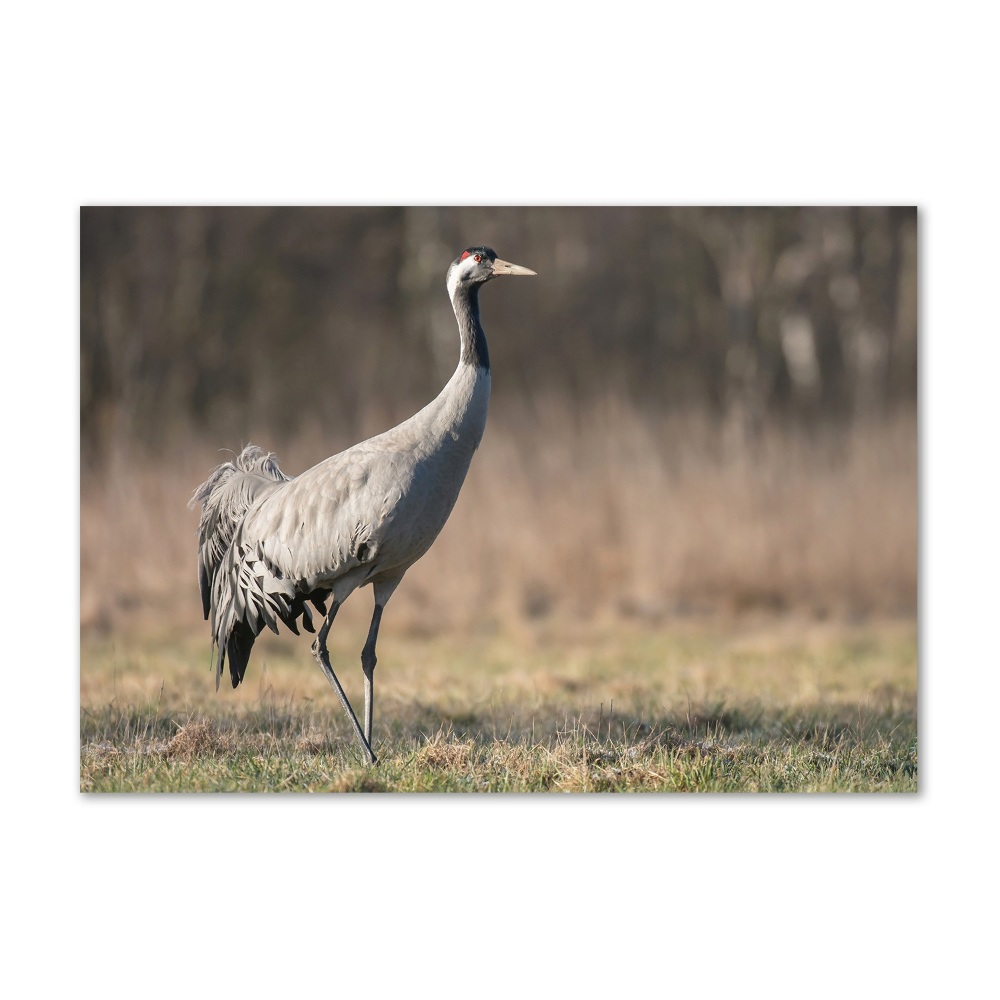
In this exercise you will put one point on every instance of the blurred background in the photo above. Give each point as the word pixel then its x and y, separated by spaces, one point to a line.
pixel 695 411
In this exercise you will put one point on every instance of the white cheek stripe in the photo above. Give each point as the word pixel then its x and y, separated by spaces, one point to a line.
pixel 458 271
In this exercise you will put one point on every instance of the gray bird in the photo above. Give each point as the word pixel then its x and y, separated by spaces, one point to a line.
pixel 270 545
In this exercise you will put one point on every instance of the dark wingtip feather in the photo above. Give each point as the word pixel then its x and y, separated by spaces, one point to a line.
pixel 206 591
pixel 238 647
pixel 307 619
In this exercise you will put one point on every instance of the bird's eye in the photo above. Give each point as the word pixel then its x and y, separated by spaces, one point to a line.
pixel 478 258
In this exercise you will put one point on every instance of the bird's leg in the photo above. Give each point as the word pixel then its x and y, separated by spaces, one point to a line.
pixel 319 650
pixel 368 661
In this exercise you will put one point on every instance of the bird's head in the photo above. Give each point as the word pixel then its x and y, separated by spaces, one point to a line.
pixel 477 265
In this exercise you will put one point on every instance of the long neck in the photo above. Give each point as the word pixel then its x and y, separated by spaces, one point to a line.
pixel 474 349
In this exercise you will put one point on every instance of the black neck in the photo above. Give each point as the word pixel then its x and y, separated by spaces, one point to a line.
pixel 474 349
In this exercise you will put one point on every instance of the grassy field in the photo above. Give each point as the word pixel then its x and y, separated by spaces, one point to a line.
pixel 689 632
pixel 771 705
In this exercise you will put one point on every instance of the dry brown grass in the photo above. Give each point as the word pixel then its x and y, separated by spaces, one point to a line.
pixel 596 515
pixel 197 737
pixel 439 753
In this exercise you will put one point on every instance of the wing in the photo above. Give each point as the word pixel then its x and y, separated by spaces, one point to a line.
pixel 332 519
pixel 269 546
pixel 226 496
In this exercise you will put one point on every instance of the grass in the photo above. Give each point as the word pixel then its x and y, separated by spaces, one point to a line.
pixel 773 705
pixel 601 513
pixel 559 634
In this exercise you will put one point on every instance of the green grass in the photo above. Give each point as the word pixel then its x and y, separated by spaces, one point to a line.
pixel 778 708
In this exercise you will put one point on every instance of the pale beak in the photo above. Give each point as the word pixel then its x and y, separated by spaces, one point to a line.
pixel 505 267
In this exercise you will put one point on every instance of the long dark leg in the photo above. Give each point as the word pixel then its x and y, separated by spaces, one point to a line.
pixel 323 659
pixel 368 661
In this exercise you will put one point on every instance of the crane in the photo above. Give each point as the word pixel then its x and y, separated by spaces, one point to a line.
pixel 269 545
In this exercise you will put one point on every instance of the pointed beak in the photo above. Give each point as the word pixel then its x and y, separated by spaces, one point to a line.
pixel 505 267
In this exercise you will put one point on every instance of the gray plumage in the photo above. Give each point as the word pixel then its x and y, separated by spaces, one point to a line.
pixel 270 545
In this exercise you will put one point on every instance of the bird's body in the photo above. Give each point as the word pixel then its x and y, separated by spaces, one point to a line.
pixel 388 496
pixel 270 544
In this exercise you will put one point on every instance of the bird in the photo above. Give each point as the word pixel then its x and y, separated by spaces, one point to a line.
pixel 270 545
